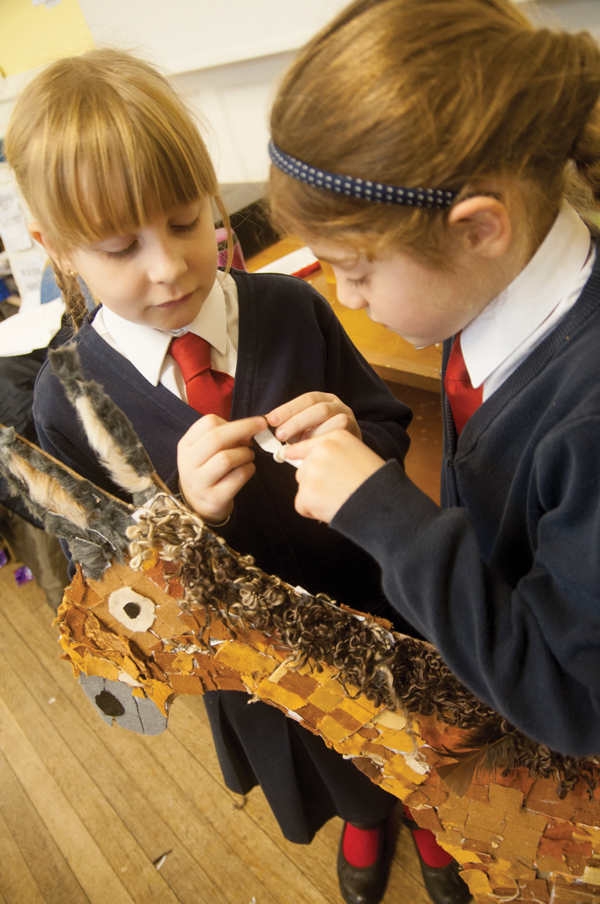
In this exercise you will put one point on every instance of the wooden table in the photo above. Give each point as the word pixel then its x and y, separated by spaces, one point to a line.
pixel 394 359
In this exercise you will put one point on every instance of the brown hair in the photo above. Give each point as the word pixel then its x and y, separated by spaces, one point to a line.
pixel 434 93
pixel 98 143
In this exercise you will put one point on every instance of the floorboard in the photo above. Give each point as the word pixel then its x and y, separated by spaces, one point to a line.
pixel 48 867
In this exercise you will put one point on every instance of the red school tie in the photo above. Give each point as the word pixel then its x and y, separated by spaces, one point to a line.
pixel 208 391
pixel 464 399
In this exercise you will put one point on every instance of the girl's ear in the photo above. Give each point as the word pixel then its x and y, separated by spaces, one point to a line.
pixel 36 233
pixel 481 225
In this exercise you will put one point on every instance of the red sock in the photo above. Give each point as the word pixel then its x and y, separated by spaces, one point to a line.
pixel 431 853
pixel 360 846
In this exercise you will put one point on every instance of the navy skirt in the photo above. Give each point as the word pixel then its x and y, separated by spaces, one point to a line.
pixel 304 781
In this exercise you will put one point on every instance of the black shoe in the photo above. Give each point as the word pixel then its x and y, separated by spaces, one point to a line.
pixel 443 883
pixel 366 884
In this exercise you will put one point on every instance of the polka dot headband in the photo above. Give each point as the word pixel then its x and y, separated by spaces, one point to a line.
pixel 364 189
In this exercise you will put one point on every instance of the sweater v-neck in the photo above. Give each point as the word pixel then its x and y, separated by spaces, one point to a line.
pixel 108 358
pixel 586 306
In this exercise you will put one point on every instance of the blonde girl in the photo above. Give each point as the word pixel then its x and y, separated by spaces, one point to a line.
pixel 122 190
pixel 425 149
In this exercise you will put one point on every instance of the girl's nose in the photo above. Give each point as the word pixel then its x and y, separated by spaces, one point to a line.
pixel 166 263
pixel 350 296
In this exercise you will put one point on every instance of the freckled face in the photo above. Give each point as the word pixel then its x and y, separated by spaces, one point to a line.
pixel 422 304
pixel 159 275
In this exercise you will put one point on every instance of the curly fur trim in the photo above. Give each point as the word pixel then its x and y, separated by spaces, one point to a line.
pixel 388 668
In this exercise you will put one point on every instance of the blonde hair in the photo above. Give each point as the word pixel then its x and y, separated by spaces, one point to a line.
pixel 434 93
pixel 99 143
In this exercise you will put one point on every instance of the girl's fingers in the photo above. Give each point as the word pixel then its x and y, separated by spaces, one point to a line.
pixel 211 488
pixel 223 463
pixel 211 434
pixel 301 449
pixel 281 417
pixel 297 427
pixel 286 411
pixel 341 421
pixel 200 427
pixel 306 414
pixel 333 467
pixel 217 503
pixel 230 485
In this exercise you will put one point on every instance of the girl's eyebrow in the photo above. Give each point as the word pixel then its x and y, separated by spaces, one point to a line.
pixel 331 260
pixel 338 261
pixel 112 238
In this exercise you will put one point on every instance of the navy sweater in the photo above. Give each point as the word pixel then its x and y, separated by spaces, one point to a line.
pixel 505 578
pixel 290 342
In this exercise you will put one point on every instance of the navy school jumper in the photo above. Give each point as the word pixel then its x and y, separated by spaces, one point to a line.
pixel 290 342
pixel 504 579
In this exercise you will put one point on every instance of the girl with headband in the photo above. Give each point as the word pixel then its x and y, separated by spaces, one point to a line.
pixel 121 186
pixel 425 149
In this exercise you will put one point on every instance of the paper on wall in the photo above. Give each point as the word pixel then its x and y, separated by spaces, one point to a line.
pixel 27 268
pixel 13 227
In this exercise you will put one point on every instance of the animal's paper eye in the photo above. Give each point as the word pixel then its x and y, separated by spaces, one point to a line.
pixel 133 610
pixel 114 702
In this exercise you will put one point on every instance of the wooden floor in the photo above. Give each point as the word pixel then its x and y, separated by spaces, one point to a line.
pixel 96 814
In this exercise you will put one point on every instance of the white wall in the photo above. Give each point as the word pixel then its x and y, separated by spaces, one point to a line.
pixel 184 35
pixel 234 102
pixel 575 15
pixel 228 58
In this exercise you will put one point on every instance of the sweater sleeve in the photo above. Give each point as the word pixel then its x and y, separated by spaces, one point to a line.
pixel 530 650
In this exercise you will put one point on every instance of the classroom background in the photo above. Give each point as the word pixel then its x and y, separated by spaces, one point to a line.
pixel 87 813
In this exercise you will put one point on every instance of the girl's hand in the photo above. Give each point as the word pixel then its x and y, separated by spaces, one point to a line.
pixel 312 414
pixel 333 467
pixel 215 460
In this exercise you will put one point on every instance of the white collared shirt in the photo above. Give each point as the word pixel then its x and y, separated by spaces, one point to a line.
pixel 148 348
pixel 505 333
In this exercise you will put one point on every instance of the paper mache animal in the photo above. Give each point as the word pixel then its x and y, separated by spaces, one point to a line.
pixel 161 606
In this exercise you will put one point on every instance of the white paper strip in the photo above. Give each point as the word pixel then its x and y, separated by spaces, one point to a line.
pixel 28 330
pixel 290 263
pixel 270 443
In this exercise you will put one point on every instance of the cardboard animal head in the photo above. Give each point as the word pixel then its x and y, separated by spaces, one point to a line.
pixel 160 606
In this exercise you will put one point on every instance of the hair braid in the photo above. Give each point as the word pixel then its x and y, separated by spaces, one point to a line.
pixel 71 293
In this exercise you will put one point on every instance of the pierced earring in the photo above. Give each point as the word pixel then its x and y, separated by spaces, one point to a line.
pixel 72 273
